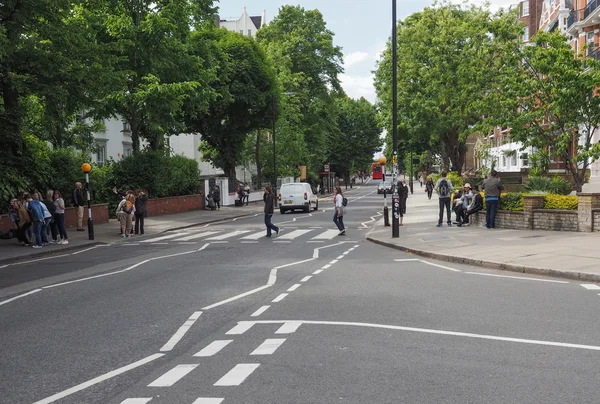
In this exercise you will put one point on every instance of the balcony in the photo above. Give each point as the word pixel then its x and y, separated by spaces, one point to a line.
pixel 583 14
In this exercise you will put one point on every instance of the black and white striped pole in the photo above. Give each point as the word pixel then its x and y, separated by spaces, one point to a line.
pixel 86 169
pixel 395 196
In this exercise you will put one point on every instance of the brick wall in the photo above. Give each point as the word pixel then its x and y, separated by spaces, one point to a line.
pixel 176 204
pixel 505 219
pixel 99 215
pixel 557 220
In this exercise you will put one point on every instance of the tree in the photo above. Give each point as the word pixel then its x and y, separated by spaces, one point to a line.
pixel 447 58
pixel 307 64
pixel 358 137
pixel 245 85
pixel 156 74
pixel 550 101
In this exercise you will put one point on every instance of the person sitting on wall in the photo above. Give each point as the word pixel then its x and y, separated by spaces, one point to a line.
pixel 475 206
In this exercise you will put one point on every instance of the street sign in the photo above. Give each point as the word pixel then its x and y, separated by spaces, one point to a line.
pixel 326 168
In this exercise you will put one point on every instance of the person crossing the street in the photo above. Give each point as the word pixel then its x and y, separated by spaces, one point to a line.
pixel 270 201
pixel 338 215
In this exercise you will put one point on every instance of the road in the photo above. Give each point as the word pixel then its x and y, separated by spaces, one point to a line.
pixel 218 314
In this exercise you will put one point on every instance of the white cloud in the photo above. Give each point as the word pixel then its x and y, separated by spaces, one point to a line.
pixel 359 86
pixel 354 58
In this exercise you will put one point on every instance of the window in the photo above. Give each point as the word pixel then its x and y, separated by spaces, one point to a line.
pixel 242 31
pixel 526 34
pixel 127 149
pixel 513 159
pixel 504 161
pixel 101 151
pixel 126 127
pixel 591 45
pixel 524 8
pixel 524 159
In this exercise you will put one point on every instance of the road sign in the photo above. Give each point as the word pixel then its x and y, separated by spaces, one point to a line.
pixel 326 168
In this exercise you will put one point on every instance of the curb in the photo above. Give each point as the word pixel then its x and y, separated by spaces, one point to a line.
pixel 579 276
pixel 50 252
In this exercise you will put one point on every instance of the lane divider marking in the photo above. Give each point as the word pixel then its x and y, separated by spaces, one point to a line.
pixel 237 375
pixel 213 348
pixel 181 332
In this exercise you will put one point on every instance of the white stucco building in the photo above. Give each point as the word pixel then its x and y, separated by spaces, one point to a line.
pixel 246 24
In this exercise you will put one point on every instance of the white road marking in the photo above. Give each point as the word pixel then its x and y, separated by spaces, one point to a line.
pixel 326 266
pixel 333 262
pixel 327 235
pixel 213 348
pixel 136 400
pixel 316 227
pixel 237 375
pixel 315 241
pixel 407 260
pixel 188 243
pixel 20 296
pixel 440 266
pixel 317 272
pixel 517 277
pixel 99 379
pixel 255 236
pixel 346 252
pixel 181 332
pixel 260 311
pixel 39 259
pixel 167 237
pixel 296 286
pixel 197 235
pixel 220 242
pixel 160 244
pixel 279 298
pixel 288 327
pixel 282 241
pixel 173 376
pixel 269 346
pixel 294 234
pixel 240 328
pixel 88 249
pixel 435 332
pixel 229 235
pixel 249 242
pixel 340 257
pixel 272 278
pixel 305 278
pixel 590 286
pixel 208 400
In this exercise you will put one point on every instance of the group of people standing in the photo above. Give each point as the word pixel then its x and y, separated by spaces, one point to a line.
pixel 129 210
pixel 35 219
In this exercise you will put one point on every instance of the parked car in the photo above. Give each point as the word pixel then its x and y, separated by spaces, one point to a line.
pixel 297 196
pixel 384 185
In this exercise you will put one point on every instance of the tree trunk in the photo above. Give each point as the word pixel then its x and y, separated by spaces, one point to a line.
pixel 10 134
pixel 135 131
pixel 455 150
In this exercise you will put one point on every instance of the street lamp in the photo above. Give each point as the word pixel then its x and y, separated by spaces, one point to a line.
pixel 290 94
pixel 395 196
pixel 86 168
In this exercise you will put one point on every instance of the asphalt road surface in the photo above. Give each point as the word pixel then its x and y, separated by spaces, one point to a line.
pixel 221 314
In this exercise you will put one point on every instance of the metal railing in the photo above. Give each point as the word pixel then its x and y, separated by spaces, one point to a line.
pixel 575 16
pixel 590 8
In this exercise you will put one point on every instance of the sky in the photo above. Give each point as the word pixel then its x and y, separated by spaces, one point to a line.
pixel 361 27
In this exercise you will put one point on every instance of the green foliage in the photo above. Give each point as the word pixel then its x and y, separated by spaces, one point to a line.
pixel 565 202
pixel 65 171
pixel 456 180
pixel 554 185
pixel 511 201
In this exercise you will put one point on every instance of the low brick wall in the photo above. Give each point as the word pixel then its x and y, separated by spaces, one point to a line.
pixel 175 204
pixel 596 214
pixel 557 220
pixel 99 215
pixel 505 219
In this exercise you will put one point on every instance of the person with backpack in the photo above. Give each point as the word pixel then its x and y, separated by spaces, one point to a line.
pixel 340 204
pixel 270 201
pixel 444 189
pixel 124 212
pixel 216 195
pixel 492 187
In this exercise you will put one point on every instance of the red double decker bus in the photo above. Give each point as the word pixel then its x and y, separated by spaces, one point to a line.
pixel 377 171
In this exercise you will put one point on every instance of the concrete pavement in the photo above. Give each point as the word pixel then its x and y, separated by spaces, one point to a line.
pixel 559 254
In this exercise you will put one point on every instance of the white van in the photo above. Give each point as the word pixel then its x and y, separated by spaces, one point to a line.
pixel 298 195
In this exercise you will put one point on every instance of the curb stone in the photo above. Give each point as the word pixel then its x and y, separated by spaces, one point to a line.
pixel 579 276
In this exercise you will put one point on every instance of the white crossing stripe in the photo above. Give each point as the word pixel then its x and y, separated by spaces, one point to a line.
pixel 173 376
pixel 229 235
pixel 294 234
pixel 136 400
pixel 168 236
pixel 207 400
pixel 296 286
pixel 260 311
pixel 279 298
pixel 590 286
pixel 240 328
pixel 255 236
pixel 269 346
pixel 213 348
pixel 237 375
pixel 289 327
pixel 327 235
pixel 197 235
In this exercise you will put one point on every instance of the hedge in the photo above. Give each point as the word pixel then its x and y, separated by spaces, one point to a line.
pixel 566 202
pixel 513 201
pixel 456 180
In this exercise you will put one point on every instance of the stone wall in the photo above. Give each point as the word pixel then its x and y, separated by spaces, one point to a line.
pixel 175 204
pixel 505 219
pixel 557 220
pixel 596 214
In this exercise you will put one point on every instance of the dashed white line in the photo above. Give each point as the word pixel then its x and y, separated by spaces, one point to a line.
pixel 288 327
pixel 237 375
pixel 294 287
pixel 279 298
pixel 136 400
pixel 317 272
pixel 173 375
pixel 181 332
pixel 590 286
pixel 213 348
pixel 260 311
pixel 333 262
pixel 269 346
pixel 326 266
pixel 98 379
pixel 305 278
pixel 208 400
pixel 240 328
pixel 340 257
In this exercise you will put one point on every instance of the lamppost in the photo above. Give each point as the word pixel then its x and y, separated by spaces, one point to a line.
pixel 86 168
pixel 274 187
pixel 395 196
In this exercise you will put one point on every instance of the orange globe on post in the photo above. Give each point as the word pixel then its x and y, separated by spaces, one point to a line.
pixel 382 160
pixel 86 168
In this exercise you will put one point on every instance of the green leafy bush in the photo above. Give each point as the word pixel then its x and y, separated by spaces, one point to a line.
pixel 560 186
pixel 512 201
pixel 456 180
pixel 565 202
pixel 554 185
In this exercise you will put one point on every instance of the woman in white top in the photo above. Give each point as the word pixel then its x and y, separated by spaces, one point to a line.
pixel 338 216
pixel 60 217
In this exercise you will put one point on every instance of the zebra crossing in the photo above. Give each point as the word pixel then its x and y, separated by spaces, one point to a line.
pixel 188 236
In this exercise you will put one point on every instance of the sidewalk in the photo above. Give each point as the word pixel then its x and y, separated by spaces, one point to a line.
pixel 11 251
pixel 560 254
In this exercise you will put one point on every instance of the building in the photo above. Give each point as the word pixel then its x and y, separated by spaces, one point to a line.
pixel 499 151
pixel 246 24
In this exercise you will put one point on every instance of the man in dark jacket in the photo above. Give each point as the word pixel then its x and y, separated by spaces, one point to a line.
pixel 140 212
pixel 492 187
pixel 79 204
pixel 270 202
pixel 475 206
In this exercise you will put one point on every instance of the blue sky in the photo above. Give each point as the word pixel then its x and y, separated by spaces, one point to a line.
pixel 361 27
